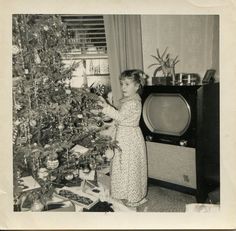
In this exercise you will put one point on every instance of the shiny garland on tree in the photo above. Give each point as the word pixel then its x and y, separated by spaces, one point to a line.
pixel 50 117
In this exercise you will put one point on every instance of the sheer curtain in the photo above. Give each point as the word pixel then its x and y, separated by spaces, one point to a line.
pixel 124 45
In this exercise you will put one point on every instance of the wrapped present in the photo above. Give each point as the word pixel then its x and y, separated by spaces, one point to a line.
pixel 28 183
pixel 79 150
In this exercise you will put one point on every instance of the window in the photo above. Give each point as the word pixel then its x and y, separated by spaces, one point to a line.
pixel 87 35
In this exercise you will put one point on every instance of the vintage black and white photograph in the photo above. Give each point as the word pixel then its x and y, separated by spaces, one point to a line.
pixel 117 115
pixel 107 120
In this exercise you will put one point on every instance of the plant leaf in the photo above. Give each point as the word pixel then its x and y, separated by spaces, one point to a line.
pixel 156 58
pixel 153 65
pixel 164 53
pixel 175 59
pixel 158 54
pixel 155 72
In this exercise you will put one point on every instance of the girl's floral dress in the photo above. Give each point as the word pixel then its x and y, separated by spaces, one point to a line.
pixel 128 166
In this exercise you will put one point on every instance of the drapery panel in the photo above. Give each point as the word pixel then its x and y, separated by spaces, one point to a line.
pixel 124 46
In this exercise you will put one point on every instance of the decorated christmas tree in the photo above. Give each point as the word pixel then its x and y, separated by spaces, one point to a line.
pixel 49 117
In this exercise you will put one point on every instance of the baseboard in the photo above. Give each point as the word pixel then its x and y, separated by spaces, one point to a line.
pixel 172 186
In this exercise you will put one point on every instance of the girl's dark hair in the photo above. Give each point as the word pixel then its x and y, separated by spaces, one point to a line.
pixel 137 76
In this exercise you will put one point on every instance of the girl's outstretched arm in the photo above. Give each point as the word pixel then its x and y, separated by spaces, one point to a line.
pixel 130 110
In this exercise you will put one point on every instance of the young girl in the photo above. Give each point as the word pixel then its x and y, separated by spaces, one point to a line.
pixel 129 166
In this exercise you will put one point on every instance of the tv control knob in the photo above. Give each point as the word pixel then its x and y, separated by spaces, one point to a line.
pixel 149 138
pixel 183 142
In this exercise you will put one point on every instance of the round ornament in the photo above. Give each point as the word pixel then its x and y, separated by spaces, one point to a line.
pixel 15 50
pixel 47 146
pixel 17 122
pixel 68 92
pixel 52 177
pixel 37 206
pixel 52 164
pixel 33 123
pixel 109 153
pixel 69 176
pixel 99 123
pixel 61 127
pixel 80 116
pixel 93 166
pixel 46 28
pixel 86 169
pixel 43 173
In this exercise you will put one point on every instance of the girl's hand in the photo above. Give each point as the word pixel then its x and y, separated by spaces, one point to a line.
pixel 110 98
pixel 95 111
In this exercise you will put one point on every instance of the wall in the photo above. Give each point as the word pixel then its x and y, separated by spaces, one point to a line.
pixel 194 38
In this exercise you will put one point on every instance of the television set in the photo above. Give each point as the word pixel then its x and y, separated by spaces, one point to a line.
pixel 169 114
pixel 180 125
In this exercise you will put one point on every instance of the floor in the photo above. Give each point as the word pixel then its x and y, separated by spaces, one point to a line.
pixel 159 199
pixel 165 200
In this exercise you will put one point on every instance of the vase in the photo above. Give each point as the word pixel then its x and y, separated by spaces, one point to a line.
pixel 37 206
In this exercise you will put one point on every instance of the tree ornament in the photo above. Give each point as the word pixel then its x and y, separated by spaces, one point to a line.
pixel 52 177
pixel 61 127
pixel 37 206
pixel 93 165
pixel 46 146
pixel 56 89
pixel 69 176
pixel 68 91
pixel 52 161
pixel 15 132
pixel 80 116
pixel 67 82
pixel 52 164
pixel 109 153
pixel 46 28
pixel 86 168
pixel 33 123
pixel 37 59
pixel 45 79
pixel 18 107
pixel 99 123
pixel 76 172
pixel 15 49
pixel 43 174
pixel 17 122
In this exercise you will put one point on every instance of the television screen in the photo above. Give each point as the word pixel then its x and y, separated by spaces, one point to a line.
pixel 165 113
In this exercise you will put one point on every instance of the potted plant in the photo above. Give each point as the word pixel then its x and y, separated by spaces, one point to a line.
pixel 165 64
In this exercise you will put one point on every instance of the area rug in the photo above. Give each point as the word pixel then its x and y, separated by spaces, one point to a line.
pixel 165 200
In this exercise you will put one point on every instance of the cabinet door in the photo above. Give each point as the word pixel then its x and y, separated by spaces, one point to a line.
pixel 173 164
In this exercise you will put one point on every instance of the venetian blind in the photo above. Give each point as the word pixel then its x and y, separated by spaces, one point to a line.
pixel 87 33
